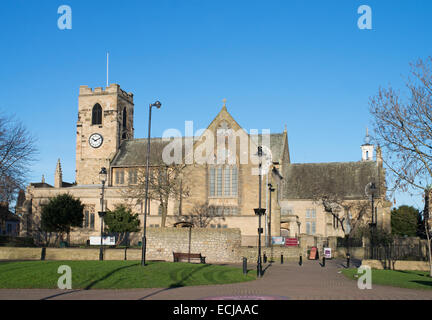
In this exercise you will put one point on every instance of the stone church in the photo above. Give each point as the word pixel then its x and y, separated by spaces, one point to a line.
pixel 303 192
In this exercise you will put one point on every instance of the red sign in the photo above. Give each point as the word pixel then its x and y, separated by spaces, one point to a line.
pixel 291 242
pixel 313 253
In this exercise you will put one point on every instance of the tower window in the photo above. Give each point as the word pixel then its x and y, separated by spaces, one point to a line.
pixel 124 119
pixel 97 114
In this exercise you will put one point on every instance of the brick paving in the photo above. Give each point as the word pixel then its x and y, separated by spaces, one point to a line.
pixel 286 282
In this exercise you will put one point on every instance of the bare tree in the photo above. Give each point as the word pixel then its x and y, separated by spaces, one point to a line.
pixel 403 128
pixel 166 182
pixel 17 151
pixel 344 212
pixel 203 214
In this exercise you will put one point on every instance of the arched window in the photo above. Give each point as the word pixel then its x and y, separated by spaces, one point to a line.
pixel 97 114
pixel 124 119
pixel 223 181
pixel 124 123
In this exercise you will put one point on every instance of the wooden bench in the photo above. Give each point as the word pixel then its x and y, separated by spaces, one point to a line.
pixel 178 256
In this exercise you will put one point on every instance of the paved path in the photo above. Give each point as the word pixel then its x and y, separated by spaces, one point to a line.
pixel 288 281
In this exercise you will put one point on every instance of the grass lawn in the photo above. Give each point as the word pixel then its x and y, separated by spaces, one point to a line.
pixel 118 274
pixel 396 278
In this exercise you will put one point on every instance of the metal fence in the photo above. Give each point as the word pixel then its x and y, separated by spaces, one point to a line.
pixel 416 252
pixel 349 242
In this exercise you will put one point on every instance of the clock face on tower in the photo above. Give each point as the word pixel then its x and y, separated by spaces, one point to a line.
pixel 95 140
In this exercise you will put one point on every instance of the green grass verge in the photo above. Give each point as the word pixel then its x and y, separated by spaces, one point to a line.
pixel 118 274
pixel 396 278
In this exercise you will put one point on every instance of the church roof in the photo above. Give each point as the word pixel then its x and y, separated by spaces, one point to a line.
pixel 277 143
pixel 134 152
pixel 347 179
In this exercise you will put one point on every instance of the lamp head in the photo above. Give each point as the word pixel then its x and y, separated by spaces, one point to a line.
pixel 103 175
pixel 157 104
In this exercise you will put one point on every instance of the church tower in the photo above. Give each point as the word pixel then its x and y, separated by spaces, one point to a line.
pixel 105 119
pixel 367 148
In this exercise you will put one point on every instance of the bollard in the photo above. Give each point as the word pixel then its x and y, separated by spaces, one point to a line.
pixel 43 253
pixel 323 263
pixel 125 255
pixel 244 265
pixel 281 258
pixel 348 260
pixel 265 258
pixel 301 260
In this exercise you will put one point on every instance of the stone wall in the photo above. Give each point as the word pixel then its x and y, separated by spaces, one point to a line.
pixel 397 265
pixel 217 245
pixel 289 253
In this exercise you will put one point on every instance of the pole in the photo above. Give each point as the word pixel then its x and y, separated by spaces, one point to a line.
pixel 269 241
pixel 259 268
pixel 190 236
pixel 144 244
pixel 372 226
pixel 101 216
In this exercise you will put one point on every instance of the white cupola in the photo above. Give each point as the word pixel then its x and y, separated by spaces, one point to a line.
pixel 367 148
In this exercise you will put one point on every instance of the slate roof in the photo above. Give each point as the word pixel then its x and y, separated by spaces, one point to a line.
pixel 134 152
pixel 46 185
pixel 41 185
pixel 302 180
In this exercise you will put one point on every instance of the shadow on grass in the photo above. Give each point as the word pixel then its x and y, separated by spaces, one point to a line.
pixel 424 283
pixel 109 275
pixel 178 284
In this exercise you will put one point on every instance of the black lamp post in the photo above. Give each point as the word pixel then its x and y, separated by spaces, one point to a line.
pixel 103 177
pixel 157 104
pixel 373 224
pixel 269 240
pixel 259 212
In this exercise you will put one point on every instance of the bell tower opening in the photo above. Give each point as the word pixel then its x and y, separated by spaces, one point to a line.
pixel 367 148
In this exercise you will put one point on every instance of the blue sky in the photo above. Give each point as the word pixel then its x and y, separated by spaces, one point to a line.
pixel 300 63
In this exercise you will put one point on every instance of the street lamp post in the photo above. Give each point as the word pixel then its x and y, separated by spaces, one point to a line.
pixel 103 178
pixel 259 211
pixel 373 224
pixel 269 240
pixel 157 104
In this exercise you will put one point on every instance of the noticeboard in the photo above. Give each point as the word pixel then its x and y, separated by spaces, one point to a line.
pixel 327 253
pixel 313 253
pixel 107 241
pixel 278 240
pixel 291 242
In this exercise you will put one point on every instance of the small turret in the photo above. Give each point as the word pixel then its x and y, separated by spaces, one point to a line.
pixel 58 177
pixel 367 148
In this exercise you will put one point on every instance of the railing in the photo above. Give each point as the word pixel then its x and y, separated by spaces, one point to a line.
pixel 416 252
pixel 349 242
